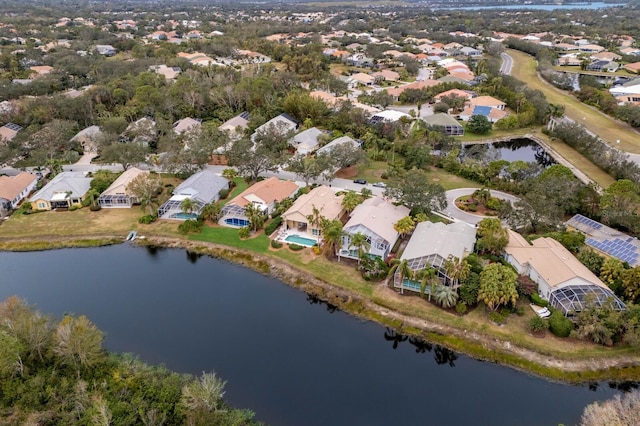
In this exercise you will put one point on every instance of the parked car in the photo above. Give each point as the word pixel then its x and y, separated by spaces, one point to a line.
pixel 380 185
pixel 360 181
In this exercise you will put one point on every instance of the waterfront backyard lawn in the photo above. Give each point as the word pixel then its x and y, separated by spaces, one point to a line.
pixel 258 243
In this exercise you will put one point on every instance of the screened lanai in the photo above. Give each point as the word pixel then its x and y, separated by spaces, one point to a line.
pixel 575 298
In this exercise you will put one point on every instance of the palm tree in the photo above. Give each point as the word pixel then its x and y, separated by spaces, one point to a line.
pixel 254 215
pixel 427 276
pixel 351 200
pixel 446 296
pixel 403 269
pixel 404 225
pixel 332 231
pixel 316 219
pixel 359 241
pixel 210 211
pixel 188 206
pixel 456 271
pixel 366 193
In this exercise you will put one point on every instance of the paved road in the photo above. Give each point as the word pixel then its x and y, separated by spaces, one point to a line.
pixel 507 64
pixel 458 215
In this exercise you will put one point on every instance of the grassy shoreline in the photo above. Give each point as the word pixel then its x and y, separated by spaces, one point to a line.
pixel 340 285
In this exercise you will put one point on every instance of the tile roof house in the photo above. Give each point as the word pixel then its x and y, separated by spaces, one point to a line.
pixel 14 189
pixel 322 198
pixel 386 75
pixel 88 138
pixel 374 218
pixel 117 195
pixel 236 125
pixel 202 188
pixel 282 124
pixel 186 124
pixel 338 141
pixel 363 79
pixel 8 132
pixel 446 123
pixel 65 190
pixel 453 92
pixel 264 194
pixel 169 73
pixel 422 84
pixel 489 101
pixel 431 245
pixel 492 114
pixel 561 278
pixel 306 141
pixel 632 67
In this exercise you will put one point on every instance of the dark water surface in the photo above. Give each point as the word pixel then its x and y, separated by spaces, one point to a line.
pixel 287 358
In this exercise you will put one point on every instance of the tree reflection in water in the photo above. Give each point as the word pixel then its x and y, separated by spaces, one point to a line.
pixel 441 354
pixel 193 256
pixel 315 300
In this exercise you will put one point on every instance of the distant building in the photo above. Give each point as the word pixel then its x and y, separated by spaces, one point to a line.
pixel 445 123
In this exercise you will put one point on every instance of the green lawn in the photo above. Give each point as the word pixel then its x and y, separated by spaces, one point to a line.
pixel 241 185
pixel 374 169
pixel 229 237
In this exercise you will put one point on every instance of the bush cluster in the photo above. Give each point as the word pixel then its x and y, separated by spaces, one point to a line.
pixel 560 325
pixel 295 247
pixel 273 225
pixel 276 244
pixel 147 219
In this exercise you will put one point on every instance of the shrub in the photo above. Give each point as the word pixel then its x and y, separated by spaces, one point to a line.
pixel 461 308
pixel 295 247
pixel 95 207
pixel 371 268
pixel 472 207
pixel 73 208
pixel 384 175
pixel 147 219
pixel 316 249
pixel 537 300
pixel 497 317
pixel 273 225
pixel 276 244
pixel 224 193
pixel 560 325
pixel 538 325
pixel 493 203
pixel 190 225
pixel 244 232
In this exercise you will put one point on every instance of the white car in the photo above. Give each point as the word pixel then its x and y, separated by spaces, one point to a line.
pixel 380 185
pixel 544 313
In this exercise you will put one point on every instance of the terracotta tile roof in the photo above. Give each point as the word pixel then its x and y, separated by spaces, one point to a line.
pixel 11 187
pixel 268 190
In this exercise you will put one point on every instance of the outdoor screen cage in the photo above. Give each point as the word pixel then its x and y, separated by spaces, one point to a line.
pixel 573 299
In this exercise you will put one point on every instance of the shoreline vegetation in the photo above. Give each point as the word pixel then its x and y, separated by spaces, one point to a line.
pixel 574 362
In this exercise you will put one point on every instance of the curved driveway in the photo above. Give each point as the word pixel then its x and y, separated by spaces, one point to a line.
pixel 458 215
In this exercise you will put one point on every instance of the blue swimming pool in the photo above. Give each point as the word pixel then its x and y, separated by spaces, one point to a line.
pixel 234 221
pixel 184 216
pixel 296 239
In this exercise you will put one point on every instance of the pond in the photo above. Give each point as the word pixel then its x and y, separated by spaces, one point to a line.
pixel 518 149
pixel 288 357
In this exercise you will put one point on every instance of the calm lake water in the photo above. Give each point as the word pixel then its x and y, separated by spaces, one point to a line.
pixel 517 149
pixel 290 359
pixel 592 5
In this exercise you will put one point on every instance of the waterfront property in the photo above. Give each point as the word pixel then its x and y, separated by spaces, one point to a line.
pixel 374 218
pixel 561 278
pixel 201 188
pixel 14 189
pixel 299 218
pixel 66 189
pixel 264 195
pixel 431 245
pixel 117 195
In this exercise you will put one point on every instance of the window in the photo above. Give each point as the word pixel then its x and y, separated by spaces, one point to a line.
pixel 314 232
pixel 41 205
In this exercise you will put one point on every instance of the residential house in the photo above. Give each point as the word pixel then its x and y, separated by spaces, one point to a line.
pixel 602 66
pixel 8 132
pixel 489 101
pixel 14 189
pixel 454 92
pixel 445 123
pixel 187 124
pixel 169 73
pixel 606 56
pixel 88 138
pixel 492 114
pixel 306 141
pixel 39 71
pixel 633 67
pixel 375 219
pixel 470 51
pixel 236 126
pixel 281 124
pixel 388 116
pixel 590 48
pixel 330 100
pixel 142 131
pixel 336 142
pixel 264 194
pixel 106 49
pixel 201 188
pixel 562 279
pixel 321 198
pixel 431 245
pixel 363 79
pixel 569 60
pixel 66 189
pixel 386 75
pixel 422 84
pixel 117 195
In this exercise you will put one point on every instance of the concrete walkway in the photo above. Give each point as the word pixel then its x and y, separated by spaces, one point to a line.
pixel 457 215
